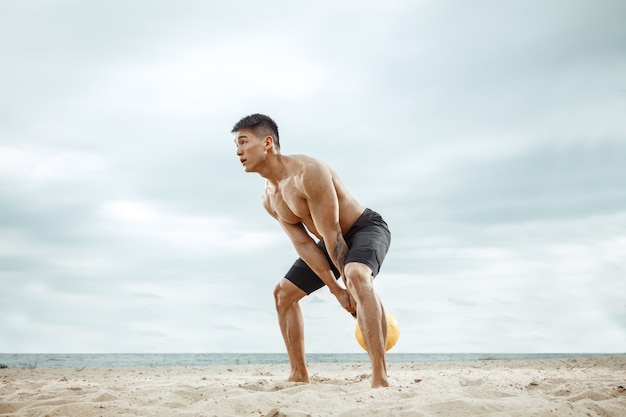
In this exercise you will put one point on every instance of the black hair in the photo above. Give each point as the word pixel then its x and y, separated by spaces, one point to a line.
pixel 260 125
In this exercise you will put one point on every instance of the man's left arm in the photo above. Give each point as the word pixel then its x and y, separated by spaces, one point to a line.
pixel 323 204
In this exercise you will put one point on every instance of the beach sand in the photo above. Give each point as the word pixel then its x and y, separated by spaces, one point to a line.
pixel 557 387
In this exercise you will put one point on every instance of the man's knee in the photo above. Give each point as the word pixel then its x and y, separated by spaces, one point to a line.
pixel 358 277
pixel 286 294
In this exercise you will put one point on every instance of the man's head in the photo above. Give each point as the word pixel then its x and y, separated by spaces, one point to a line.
pixel 261 125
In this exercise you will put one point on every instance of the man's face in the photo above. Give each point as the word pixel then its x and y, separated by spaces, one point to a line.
pixel 250 149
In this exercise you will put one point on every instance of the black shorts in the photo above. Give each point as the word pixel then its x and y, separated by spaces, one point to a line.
pixel 368 241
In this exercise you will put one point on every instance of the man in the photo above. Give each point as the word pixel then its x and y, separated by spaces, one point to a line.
pixel 308 198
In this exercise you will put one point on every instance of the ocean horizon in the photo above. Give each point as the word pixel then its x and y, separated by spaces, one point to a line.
pixel 117 360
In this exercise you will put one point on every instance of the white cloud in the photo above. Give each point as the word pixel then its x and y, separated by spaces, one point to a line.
pixel 128 211
pixel 207 235
pixel 35 166
pixel 187 82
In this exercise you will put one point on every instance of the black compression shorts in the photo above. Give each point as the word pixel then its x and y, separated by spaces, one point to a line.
pixel 368 241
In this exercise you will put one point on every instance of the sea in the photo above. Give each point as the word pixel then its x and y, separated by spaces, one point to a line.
pixel 113 360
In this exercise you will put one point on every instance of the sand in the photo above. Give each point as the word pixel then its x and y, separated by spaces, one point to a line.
pixel 558 387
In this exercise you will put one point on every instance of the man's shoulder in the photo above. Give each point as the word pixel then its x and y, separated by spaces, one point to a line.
pixel 306 164
pixel 305 159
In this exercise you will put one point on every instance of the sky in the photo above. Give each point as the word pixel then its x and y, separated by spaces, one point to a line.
pixel 491 135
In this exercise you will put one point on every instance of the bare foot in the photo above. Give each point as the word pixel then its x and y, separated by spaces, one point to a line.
pixel 381 383
pixel 299 377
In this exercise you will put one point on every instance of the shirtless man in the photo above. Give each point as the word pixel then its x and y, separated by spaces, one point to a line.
pixel 308 198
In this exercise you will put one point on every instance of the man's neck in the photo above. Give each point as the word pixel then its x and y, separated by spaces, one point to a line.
pixel 275 168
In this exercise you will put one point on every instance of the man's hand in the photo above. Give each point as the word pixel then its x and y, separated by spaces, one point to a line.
pixel 346 300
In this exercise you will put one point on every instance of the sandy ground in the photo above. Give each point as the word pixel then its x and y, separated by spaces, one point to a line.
pixel 568 387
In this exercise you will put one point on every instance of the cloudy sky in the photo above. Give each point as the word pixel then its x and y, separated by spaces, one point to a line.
pixel 491 135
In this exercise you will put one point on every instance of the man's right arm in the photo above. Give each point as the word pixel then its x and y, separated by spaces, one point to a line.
pixel 313 256
pixel 316 260
pixel 310 253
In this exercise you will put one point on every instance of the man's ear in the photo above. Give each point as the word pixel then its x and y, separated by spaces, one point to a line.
pixel 268 143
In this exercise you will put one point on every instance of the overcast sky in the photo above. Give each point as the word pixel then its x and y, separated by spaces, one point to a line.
pixel 491 135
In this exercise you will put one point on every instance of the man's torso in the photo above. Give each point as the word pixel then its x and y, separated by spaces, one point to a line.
pixel 289 203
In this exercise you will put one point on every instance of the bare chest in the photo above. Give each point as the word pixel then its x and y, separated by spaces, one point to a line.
pixel 289 205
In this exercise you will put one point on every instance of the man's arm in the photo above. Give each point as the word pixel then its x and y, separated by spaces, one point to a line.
pixel 307 249
pixel 310 253
pixel 317 261
pixel 319 190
